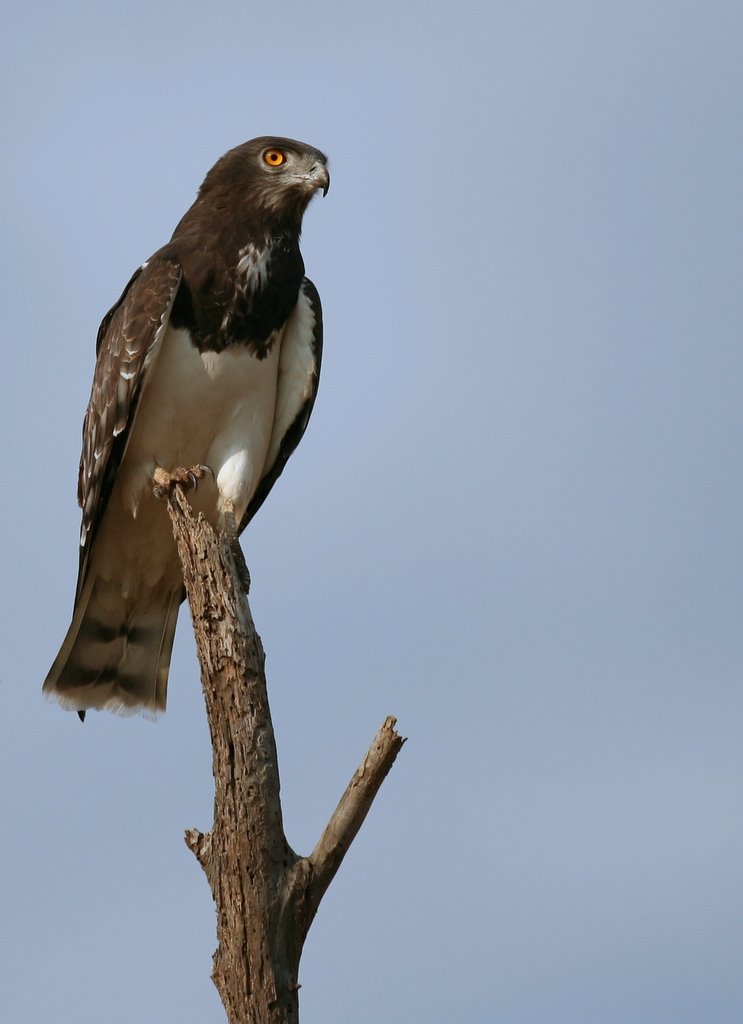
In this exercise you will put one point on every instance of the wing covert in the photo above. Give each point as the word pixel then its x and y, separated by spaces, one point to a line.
pixel 127 341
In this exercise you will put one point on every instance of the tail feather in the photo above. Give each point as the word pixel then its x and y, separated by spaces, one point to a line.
pixel 116 655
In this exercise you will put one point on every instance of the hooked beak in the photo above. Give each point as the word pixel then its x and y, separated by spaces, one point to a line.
pixel 319 177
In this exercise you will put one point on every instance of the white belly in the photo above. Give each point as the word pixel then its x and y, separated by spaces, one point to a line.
pixel 216 410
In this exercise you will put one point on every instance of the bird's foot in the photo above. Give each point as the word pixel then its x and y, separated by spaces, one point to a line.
pixel 165 480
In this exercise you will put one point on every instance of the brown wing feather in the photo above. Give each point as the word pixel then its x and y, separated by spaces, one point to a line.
pixel 127 339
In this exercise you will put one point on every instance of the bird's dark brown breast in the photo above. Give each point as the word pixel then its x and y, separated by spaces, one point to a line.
pixel 239 298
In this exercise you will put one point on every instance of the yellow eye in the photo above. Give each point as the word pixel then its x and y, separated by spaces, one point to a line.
pixel 274 157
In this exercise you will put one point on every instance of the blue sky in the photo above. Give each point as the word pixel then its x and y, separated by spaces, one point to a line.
pixel 514 522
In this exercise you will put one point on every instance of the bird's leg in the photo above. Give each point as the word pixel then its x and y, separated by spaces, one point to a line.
pixel 165 480
pixel 230 534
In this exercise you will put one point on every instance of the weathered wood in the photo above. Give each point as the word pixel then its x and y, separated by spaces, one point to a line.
pixel 266 895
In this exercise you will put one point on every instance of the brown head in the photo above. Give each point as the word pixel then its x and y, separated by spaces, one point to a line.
pixel 269 180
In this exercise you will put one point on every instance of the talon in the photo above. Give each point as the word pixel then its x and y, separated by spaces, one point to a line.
pixel 187 478
pixel 197 473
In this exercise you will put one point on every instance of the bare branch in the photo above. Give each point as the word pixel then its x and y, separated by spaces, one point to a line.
pixel 353 807
pixel 266 896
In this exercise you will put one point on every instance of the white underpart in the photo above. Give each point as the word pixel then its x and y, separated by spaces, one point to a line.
pixel 215 409
pixel 228 411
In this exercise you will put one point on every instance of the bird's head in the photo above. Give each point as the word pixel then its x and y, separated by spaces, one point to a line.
pixel 271 178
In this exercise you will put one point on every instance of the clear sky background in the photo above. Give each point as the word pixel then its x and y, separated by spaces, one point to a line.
pixel 514 522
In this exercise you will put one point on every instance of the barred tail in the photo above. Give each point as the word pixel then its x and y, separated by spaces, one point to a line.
pixel 116 654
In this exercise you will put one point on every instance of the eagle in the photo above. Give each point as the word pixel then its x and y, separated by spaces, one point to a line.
pixel 208 366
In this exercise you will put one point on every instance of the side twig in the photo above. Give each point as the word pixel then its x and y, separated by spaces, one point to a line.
pixel 266 895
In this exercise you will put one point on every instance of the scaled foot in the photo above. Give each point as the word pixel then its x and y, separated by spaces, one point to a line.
pixel 165 480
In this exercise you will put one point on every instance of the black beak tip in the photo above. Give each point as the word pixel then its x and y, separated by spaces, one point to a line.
pixel 319 175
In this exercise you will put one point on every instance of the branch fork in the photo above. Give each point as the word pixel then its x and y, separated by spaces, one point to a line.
pixel 266 895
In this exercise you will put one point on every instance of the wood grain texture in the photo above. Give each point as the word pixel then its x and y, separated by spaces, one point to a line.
pixel 266 895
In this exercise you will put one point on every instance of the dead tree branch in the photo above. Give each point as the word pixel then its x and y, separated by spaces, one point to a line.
pixel 266 895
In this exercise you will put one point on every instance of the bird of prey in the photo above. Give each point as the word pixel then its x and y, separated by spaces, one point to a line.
pixel 210 359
